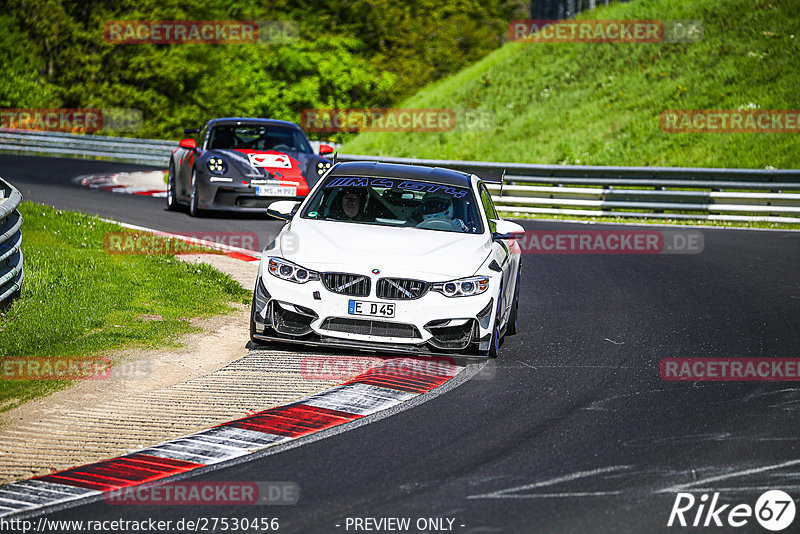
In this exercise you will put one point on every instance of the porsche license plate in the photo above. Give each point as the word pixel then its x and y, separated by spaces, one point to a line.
pixel 370 309
pixel 276 191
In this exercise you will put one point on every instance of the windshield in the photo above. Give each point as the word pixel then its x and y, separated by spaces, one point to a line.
pixel 258 137
pixel 395 202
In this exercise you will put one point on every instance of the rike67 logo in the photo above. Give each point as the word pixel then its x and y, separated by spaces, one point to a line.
pixel 774 510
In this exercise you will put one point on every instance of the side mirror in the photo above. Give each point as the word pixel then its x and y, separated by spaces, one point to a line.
pixel 507 230
pixel 189 144
pixel 188 131
pixel 325 149
pixel 283 209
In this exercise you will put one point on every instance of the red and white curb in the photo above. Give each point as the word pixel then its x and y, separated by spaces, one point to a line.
pixel 236 253
pixel 380 388
pixel 148 183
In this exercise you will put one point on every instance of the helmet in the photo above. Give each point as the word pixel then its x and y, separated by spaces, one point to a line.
pixel 352 200
pixel 437 207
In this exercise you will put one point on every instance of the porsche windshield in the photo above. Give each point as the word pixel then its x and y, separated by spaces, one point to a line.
pixel 258 137
pixel 395 202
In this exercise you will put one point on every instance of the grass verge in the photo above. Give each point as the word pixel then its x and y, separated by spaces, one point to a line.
pixel 599 104
pixel 78 300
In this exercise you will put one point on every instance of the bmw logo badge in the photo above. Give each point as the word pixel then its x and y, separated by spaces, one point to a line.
pixel 376 271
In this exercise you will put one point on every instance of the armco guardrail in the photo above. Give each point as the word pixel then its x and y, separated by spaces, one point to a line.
pixel 753 195
pixel 10 242
pixel 144 151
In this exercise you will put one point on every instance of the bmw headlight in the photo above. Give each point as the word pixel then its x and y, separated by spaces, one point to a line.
pixel 216 165
pixel 463 287
pixel 287 270
pixel 323 166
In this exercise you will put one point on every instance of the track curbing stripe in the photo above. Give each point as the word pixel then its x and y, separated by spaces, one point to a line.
pixel 371 392
pixel 230 251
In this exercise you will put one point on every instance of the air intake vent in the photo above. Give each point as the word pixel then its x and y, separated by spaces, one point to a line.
pixel 367 327
pixel 452 337
pixel 401 288
pixel 290 322
pixel 355 285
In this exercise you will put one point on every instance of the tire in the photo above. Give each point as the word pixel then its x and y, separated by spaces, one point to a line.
pixel 194 210
pixel 511 329
pixel 172 202
pixel 497 337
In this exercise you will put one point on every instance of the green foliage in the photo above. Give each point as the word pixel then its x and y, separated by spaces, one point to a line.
pixel 22 84
pixel 363 53
pixel 599 104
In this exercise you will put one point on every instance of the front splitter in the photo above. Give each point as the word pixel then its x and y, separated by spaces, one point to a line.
pixel 363 346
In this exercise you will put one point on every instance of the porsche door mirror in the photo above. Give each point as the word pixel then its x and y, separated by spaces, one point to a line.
pixel 189 144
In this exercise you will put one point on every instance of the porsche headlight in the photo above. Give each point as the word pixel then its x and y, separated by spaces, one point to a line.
pixel 216 165
pixel 287 270
pixel 323 166
pixel 463 287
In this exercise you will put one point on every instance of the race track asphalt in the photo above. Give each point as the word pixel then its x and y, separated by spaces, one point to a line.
pixel 571 429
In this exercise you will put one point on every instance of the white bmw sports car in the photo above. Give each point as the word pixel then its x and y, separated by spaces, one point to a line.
pixel 390 258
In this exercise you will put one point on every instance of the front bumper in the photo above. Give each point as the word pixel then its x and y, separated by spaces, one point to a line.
pixel 433 324
pixel 224 196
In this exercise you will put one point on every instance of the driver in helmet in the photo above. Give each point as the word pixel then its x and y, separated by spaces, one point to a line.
pixel 438 207
pixel 351 203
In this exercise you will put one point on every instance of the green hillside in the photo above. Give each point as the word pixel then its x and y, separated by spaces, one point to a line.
pixel 599 104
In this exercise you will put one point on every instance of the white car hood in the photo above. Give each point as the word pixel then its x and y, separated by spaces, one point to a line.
pixel 430 255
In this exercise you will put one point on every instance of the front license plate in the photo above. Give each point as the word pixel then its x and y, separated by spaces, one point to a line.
pixel 276 191
pixel 370 309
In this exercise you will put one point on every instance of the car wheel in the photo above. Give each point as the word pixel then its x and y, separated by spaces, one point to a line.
pixel 172 203
pixel 511 329
pixel 497 338
pixel 194 210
